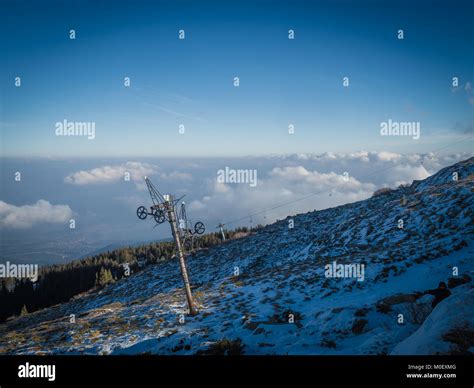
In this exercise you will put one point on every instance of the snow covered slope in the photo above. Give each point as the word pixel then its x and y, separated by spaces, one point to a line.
pixel 281 302
pixel 448 329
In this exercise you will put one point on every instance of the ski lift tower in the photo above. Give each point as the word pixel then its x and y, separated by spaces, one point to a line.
pixel 164 209
pixel 221 228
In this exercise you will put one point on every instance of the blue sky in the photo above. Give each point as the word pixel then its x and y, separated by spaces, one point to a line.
pixel 190 81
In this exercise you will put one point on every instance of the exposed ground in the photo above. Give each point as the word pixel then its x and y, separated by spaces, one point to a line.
pixel 281 302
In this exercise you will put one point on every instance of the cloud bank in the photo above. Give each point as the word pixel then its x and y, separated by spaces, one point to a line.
pixel 313 182
pixel 111 174
pixel 26 216
pixel 116 173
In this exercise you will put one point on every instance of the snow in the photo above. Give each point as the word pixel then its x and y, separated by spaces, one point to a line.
pixel 282 273
pixel 457 311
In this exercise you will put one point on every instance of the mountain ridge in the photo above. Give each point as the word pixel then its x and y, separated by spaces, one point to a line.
pixel 281 302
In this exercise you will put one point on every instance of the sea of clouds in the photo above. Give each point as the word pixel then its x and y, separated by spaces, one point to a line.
pixel 103 204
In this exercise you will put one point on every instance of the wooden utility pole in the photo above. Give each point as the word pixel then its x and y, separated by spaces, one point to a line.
pixel 170 209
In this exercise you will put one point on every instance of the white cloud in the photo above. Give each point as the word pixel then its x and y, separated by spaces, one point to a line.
pixel 379 168
pixel 220 187
pixel 114 174
pixel 176 176
pixel 111 174
pixel 300 176
pixel 388 156
pixel 281 179
pixel 279 185
pixel 317 177
pixel 406 174
pixel 26 216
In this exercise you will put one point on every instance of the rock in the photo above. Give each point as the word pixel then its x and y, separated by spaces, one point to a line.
pixel 457 281
pixel 361 312
pixel 359 325
pixel 418 311
pixel 399 298
pixel 328 344
pixel 251 325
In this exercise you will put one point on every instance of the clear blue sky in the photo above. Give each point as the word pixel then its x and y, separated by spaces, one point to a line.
pixel 190 82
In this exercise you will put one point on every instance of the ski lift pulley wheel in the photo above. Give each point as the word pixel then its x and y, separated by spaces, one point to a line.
pixel 141 212
pixel 199 228
pixel 159 216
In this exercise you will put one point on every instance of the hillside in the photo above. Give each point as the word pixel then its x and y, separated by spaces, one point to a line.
pixel 282 276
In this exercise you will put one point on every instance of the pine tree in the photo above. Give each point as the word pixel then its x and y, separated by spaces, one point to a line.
pixel 104 277
pixel 24 310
